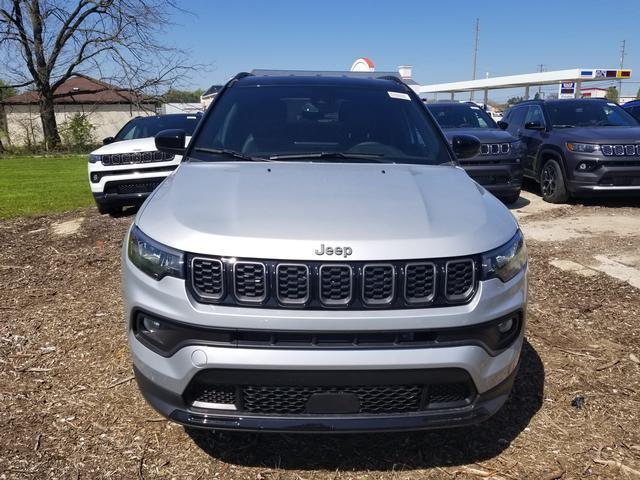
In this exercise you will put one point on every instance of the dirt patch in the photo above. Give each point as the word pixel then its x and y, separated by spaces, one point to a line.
pixel 69 409
pixel 568 228
pixel 68 227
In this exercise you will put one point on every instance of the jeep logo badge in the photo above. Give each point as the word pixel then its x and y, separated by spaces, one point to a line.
pixel 340 251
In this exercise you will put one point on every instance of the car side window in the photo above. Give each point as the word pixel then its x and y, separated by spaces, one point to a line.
pixel 534 115
pixel 516 118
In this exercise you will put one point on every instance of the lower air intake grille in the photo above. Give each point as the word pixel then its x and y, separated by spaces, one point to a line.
pixel 127 188
pixel 294 400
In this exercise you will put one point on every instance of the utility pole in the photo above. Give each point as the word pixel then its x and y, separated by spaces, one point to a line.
pixel 475 53
pixel 623 47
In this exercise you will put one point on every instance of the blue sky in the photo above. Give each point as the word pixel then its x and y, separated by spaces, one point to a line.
pixel 435 37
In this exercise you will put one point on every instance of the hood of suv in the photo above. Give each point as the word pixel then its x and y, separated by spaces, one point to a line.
pixel 485 135
pixel 601 135
pixel 147 144
pixel 287 210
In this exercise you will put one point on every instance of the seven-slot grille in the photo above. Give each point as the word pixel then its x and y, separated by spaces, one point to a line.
pixel 316 285
pixel 135 157
pixel 495 149
pixel 620 150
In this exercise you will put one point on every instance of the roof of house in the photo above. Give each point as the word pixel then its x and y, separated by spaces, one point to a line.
pixel 83 90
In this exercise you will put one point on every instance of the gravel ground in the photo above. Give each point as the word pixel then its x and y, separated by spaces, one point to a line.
pixel 69 407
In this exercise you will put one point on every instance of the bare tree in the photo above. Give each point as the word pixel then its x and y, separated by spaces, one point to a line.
pixel 44 42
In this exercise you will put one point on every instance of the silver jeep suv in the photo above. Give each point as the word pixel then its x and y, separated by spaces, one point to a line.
pixel 319 262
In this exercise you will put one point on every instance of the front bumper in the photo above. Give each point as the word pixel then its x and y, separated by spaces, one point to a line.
pixel 501 179
pixel 172 406
pixel 611 176
pixel 164 380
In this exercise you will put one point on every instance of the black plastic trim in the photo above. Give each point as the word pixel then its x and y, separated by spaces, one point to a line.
pixel 482 335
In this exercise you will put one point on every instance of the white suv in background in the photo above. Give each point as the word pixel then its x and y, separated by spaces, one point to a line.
pixel 128 167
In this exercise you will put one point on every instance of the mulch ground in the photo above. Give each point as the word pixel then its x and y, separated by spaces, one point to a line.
pixel 69 407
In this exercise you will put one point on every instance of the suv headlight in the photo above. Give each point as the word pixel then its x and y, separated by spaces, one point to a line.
pixel 583 147
pixel 153 258
pixel 507 261
pixel 95 158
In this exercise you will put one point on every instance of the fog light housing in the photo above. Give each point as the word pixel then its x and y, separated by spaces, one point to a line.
pixel 586 166
pixel 505 326
pixel 95 178
pixel 150 325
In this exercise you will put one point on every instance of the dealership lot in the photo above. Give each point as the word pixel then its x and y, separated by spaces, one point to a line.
pixel 69 407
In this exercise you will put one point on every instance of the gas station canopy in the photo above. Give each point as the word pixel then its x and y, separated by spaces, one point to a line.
pixel 574 75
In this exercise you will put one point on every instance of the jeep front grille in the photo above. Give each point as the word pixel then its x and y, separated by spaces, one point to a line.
pixel 135 157
pixel 620 150
pixel 317 285
pixel 495 149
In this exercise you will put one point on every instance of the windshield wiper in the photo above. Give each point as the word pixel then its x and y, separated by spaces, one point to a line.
pixel 564 126
pixel 230 153
pixel 376 157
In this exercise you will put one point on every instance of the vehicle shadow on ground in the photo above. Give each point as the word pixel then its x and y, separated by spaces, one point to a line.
pixel 387 451
pixel 520 203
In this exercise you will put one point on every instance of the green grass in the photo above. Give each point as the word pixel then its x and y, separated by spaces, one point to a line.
pixel 31 185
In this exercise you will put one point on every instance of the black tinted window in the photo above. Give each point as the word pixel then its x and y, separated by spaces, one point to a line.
pixel 276 120
pixel 516 117
pixel 588 113
pixel 461 116
pixel 150 126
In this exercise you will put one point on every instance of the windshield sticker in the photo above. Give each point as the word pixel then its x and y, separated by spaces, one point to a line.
pixel 400 95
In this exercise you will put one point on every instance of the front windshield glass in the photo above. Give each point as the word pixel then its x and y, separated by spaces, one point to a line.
pixel 145 127
pixel 588 113
pixel 343 124
pixel 460 115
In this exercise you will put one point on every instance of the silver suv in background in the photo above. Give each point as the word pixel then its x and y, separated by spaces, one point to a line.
pixel 319 262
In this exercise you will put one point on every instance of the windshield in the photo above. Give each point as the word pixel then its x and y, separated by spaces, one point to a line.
pixel 149 126
pixel 325 122
pixel 460 115
pixel 588 114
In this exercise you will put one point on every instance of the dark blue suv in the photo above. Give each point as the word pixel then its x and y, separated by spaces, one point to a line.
pixel 633 107
pixel 578 147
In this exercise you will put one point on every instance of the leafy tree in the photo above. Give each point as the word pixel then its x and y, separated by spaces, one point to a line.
pixel 514 100
pixel 182 96
pixel 45 42
pixel 77 132
pixel 612 94
pixel 6 91
pixel 638 94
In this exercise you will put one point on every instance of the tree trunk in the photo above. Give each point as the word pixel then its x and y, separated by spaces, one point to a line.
pixel 49 125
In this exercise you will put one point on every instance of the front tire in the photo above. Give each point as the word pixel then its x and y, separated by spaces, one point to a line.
pixel 552 185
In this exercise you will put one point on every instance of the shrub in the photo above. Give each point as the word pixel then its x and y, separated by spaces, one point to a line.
pixel 77 133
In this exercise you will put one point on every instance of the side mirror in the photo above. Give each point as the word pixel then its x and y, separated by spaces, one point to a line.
pixel 534 126
pixel 108 140
pixel 171 141
pixel 465 146
pixel 503 125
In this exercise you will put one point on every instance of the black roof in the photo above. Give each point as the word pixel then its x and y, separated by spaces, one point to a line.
pixel 378 82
